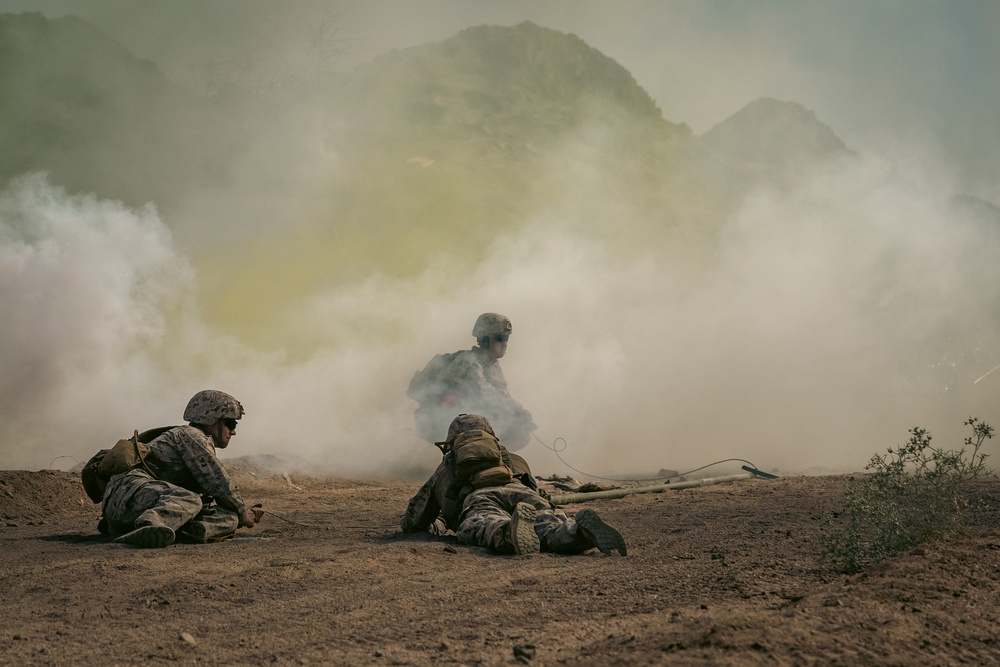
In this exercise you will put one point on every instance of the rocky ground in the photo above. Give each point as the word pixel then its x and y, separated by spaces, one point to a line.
pixel 725 574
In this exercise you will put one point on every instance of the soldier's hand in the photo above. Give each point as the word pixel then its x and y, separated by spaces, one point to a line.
pixel 253 515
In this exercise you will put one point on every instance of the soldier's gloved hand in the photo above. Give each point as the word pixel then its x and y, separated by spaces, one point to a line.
pixel 253 515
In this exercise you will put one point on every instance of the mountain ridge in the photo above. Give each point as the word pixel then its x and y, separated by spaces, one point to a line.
pixel 424 153
pixel 779 134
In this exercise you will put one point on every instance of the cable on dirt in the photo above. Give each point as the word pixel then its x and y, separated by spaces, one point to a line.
pixel 294 523
pixel 61 457
pixel 555 449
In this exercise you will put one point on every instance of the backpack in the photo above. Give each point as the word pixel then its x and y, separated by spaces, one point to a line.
pixel 122 457
pixel 425 385
pixel 480 459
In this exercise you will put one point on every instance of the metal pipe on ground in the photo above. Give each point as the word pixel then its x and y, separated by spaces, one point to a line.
pixel 568 498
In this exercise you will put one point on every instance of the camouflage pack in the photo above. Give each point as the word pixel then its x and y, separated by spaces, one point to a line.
pixel 480 459
pixel 426 386
pixel 122 457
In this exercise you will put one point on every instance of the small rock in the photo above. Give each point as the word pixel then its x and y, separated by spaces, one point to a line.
pixel 450 549
pixel 12 524
pixel 378 654
pixel 186 636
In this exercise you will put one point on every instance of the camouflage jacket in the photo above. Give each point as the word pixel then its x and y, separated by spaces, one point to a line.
pixel 476 379
pixel 185 456
pixel 475 384
pixel 441 495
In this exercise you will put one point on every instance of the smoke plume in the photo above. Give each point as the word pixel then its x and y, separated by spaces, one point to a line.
pixel 831 318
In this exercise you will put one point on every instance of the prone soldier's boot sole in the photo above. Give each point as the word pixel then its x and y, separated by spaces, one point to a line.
pixel 522 530
pixel 148 537
pixel 600 534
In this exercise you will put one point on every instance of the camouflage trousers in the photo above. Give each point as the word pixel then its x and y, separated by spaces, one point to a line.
pixel 135 499
pixel 486 516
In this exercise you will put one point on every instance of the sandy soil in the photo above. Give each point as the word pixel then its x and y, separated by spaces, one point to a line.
pixel 724 574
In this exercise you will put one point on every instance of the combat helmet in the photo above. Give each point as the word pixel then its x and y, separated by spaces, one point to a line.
pixel 209 406
pixel 491 324
pixel 465 422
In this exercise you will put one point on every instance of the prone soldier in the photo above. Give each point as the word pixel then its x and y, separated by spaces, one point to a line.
pixel 488 496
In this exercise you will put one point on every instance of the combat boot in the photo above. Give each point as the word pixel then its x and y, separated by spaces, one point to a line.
pixel 148 537
pixel 598 534
pixel 521 530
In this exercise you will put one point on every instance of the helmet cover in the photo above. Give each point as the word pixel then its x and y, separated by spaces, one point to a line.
pixel 491 324
pixel 209 406
pixel 464 422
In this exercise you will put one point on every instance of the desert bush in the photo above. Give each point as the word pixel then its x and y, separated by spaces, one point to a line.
pixel 913 494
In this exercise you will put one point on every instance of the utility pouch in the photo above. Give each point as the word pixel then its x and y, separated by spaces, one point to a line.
pixel 479 458
pixel 497 476
pixel 125 455
pixel 94 483
pixel 475 451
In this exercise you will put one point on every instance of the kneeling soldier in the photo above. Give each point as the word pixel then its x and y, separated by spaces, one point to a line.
pixel 181 488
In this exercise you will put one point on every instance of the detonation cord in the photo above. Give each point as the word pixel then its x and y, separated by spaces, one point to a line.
pixel 313 525
pixel 555 449
pixel 61 457
pixel 294 523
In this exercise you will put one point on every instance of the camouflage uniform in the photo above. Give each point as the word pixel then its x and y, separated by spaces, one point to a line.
pixel 482 389
pixel 438 504
pixel 486 515
pixel 483 517
pixel 184 477
pixel 473 383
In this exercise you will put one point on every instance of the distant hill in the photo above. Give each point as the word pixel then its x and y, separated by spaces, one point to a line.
pixel 457 141
pixel 422 154
pixel 781 136
pixel 75 103
pixel 519 84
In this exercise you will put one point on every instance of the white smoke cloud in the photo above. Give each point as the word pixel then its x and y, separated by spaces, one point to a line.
pixel 834 318
pixel 831 319
pixel 83 282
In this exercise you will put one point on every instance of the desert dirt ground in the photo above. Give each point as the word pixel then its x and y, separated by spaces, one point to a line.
pixel 725 574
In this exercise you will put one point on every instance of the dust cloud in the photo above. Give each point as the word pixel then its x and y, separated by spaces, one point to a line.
pixel 830 319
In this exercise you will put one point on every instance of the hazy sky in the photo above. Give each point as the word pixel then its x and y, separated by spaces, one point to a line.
pixel 886 75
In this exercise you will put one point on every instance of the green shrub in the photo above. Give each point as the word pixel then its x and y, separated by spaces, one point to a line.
pixel 914 494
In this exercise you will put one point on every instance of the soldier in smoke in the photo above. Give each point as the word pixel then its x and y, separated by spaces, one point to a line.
pixel 471 381
pixel 488 496
pixel 181 488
